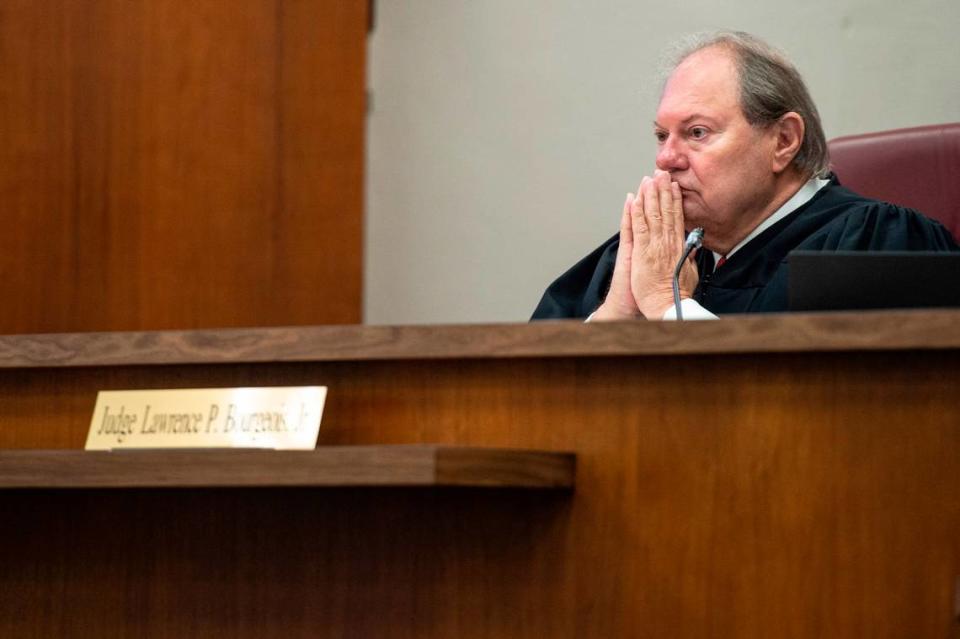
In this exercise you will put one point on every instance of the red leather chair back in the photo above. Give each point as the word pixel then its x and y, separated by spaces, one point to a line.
pixel 918 168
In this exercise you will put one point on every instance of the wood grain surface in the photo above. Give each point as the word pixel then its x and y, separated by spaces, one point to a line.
pixel 170 164
pixel 741 494
pixel 871 331
pixel 339 466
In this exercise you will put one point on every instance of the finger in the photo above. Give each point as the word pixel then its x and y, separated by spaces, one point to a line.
pixel 668 208
pixel 651 206
pixel 626 223
pixel 679 222
pixel 668 212
pixel 638 222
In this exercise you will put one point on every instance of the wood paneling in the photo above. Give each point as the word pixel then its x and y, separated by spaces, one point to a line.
pixel 800 494
pixel 874 331
pixel 292 564
pixel 329 466
pixel 168 164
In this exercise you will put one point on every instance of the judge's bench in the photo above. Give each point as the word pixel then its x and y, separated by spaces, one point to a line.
pixel 792 475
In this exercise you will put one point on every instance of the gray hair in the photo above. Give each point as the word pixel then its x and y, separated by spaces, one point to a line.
pixel 770 86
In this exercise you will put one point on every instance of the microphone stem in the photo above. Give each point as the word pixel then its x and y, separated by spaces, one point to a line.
pixel 676 281
pixel 694 240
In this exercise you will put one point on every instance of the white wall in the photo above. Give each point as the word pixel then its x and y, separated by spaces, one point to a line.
pixel 503 134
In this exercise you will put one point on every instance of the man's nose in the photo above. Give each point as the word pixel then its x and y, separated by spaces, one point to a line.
pixel 670 157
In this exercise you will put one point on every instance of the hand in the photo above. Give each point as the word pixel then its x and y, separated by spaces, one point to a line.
pixel 619 303
pixel 658 237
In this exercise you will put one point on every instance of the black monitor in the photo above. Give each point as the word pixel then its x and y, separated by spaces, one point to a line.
pixel 851 280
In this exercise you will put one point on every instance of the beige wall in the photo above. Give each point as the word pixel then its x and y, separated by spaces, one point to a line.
pixel 504 134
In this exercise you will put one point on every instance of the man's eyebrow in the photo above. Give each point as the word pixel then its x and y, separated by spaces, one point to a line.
pixel 688 119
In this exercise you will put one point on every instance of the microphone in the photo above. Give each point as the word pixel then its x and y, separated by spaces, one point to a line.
pixel 694 240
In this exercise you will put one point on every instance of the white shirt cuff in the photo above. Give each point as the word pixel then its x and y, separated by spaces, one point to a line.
pixel 691 311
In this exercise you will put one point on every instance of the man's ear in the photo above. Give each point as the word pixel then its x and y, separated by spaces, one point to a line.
pixel 789 130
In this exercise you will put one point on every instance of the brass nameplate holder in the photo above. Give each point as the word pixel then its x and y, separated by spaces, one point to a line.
pixel 283 418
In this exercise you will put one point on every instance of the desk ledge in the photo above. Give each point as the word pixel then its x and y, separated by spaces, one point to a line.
pixel 332 466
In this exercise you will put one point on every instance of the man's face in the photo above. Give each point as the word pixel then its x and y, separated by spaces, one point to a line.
pixel 723 164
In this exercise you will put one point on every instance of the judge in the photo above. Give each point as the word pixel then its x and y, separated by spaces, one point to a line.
pixel 742 154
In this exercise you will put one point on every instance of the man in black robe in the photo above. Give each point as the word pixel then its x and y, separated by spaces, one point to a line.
pixel 741 154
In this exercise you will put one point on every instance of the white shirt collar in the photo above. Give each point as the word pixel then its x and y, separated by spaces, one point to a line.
pixel 801 197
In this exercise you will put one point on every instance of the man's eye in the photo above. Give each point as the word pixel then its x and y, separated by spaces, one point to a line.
pixel 698 132
pixel 661 136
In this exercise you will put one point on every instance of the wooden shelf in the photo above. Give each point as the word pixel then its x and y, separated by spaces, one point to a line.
pixel 343 466
pixel 760 333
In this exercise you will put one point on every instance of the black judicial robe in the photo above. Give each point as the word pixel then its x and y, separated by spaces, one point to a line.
pixel 754 279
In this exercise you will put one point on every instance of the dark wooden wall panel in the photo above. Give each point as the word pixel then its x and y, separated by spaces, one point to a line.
pixel 794 495
pixel 746 494
pixel 171 164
